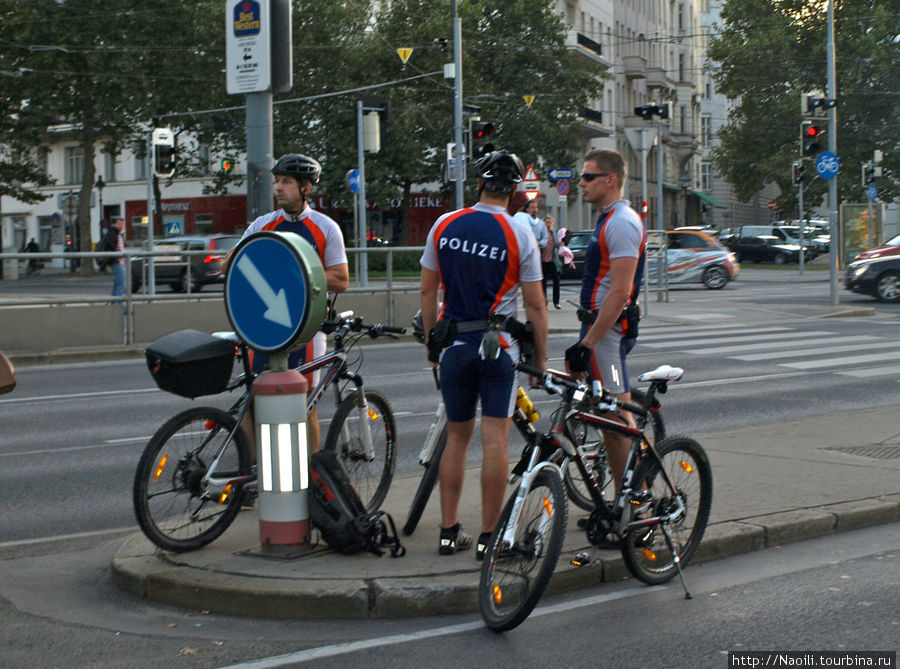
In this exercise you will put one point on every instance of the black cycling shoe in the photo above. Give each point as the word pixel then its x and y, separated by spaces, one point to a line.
pixel 484 540
pixel 453 540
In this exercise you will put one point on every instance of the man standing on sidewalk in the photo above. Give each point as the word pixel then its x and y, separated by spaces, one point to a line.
pixel 116 242
pixel 613 267
pixel 480 256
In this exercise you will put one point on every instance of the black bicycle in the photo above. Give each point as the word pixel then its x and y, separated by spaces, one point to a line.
pixel 658 515
pixel 197 468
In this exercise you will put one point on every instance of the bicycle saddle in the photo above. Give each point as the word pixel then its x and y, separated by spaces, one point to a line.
pixel 662 373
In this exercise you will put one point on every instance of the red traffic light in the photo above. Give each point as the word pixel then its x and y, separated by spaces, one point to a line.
pixel 812 131
pixel 480 130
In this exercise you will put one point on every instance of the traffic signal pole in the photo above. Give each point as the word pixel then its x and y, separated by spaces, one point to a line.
pixel 457 108
pixel 832 146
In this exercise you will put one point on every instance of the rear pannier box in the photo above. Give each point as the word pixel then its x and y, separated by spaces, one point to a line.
pixel 191 363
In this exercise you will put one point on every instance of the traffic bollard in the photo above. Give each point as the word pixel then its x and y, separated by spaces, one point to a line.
pixel 282 457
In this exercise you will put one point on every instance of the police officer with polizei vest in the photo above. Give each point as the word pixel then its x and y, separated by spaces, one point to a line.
pixel 480 258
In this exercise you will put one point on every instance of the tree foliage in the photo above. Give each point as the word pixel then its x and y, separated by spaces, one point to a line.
pixel 768 52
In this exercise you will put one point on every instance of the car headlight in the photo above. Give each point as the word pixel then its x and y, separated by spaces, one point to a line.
pixel 859 271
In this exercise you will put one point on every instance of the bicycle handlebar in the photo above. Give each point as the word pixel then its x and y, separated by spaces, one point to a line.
pixel 345 324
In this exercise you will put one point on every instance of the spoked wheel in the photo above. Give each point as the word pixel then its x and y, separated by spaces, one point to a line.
pixel 645 549
pixel 513 578
pixel 173 507
pixel 426 485
pixel 371 478
pixel 589 442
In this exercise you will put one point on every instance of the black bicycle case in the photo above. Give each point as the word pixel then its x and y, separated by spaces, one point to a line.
pixel 191 363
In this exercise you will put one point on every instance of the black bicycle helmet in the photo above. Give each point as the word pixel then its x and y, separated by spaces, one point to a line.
pixel 501 171
pixel 302 168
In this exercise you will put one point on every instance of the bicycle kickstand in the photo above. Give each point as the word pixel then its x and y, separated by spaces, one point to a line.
pixel 676 559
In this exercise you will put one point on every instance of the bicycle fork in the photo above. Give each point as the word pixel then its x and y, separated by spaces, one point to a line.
pixel 365 416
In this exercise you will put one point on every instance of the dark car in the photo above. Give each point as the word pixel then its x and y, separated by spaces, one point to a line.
pixel 172 269
pixel 765 248
pixel 879 277
pixel 578 244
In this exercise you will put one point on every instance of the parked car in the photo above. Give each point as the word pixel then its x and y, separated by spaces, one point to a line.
pixel 878 276
pixel 812 236
pixel 578 244
pixel 759 243
pixel 173 269
pixel 692 256
pixel 890 248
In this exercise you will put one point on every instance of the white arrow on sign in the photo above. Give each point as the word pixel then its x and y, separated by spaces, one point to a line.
pixel 277 307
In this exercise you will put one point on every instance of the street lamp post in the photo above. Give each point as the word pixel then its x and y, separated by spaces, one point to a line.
pixel 100 185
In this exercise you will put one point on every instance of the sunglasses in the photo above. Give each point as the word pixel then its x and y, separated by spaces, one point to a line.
pixel 588 177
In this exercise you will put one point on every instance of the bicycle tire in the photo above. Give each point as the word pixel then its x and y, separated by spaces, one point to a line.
pixel 589 441
pixel 372 479
pixel 173 511
pixel 426 485
pixel 509 587
pixel 644 550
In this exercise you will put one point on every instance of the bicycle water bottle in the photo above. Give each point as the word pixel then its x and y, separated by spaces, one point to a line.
pixel 526 406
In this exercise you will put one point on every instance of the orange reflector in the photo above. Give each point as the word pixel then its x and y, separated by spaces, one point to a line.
pixel 225 494
pixel 548 507
pixel 372 415
pixel 650 555
pixel 686 466
pixel 498 594
pixel 160 466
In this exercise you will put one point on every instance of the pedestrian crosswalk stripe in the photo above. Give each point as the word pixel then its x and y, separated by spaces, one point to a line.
pixel 732 340
pixel 867 345
pixel 835 362
pixel 873 371
pixel 691 333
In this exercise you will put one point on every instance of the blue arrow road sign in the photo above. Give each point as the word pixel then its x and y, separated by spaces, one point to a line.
pixel 353 181
pixel 558 173
pixel 266 293
pixel 872 192
pixel 827 165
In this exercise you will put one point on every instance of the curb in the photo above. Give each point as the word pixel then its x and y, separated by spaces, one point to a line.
pixel 139 569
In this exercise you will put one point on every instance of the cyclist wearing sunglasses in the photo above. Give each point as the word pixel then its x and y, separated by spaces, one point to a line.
pixel 613 267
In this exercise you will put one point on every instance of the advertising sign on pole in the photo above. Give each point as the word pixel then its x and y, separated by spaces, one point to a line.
pixel 247 52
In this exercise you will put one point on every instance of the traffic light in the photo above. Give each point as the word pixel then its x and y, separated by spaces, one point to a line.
pixel 868 174
pixel 226 165
pixel 163 152
pixel 811 137
pixel 799 171
pixel 645 112
pixel 479 133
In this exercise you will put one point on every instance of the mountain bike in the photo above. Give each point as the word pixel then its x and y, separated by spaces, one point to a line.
pixel 197 468
pixel 658 514
pixel 587 438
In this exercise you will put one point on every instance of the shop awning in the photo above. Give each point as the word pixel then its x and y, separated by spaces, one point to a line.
pixel 709 199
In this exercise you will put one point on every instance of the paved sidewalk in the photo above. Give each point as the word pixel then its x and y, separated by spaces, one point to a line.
pixel 773 484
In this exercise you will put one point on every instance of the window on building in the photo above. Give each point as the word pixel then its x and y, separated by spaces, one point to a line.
pixel 203 223
pixel 706 175
pixel 140 169
pixel 707 90
pixel 681 67
pixel 681 17
pixel 705 130
pixel 43 159
pixel 74 168
pixel 109 168
pixel 683 113
pixel 138 228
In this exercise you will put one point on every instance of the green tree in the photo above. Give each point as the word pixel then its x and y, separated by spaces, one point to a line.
pixel 768 52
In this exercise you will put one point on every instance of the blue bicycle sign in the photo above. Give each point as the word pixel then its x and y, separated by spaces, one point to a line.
pixel 827 165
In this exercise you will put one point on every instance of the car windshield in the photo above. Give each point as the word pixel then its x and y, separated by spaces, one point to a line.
pixel 579 241
pixel 893 242
pixel 225 243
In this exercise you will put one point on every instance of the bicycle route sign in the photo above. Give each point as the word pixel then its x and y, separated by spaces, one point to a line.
pixel 827 165
pixel 275 291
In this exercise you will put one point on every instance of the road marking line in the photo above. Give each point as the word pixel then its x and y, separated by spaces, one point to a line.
pixel 872 371
pixel 819 351
pixel 731 340
pixel 98 393
pixel 811 364
pixel 396 639
pixel 65 537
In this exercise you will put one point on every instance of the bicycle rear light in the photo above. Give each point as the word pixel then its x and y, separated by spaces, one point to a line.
pixel 160 466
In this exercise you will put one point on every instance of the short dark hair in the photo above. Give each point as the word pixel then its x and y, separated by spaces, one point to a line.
pixel 609 160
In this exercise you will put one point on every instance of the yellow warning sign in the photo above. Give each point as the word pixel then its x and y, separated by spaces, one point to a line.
pixel 404 53
pixel 528 99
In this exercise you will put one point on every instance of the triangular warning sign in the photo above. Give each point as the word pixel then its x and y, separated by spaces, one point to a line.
pixel 404 54
pixel 530 174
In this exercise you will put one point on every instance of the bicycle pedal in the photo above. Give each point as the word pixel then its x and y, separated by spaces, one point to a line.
pixel 580 560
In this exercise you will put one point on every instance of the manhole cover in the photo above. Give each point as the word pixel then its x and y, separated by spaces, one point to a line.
pixel 872 452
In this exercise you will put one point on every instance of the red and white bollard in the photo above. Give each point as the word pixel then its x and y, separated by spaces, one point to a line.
pixel 282 457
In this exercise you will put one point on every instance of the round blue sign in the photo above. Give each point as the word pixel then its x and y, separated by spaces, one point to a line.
pixel 267 291
pixel 827 165
pixel 872 192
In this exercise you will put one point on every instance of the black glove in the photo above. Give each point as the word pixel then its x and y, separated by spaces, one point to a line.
pixel 578 358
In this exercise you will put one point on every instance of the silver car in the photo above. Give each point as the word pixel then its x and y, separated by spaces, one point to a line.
pixel 692 256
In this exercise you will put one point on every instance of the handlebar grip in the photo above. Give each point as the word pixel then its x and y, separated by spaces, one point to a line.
pixel 531 371
pixel 390 329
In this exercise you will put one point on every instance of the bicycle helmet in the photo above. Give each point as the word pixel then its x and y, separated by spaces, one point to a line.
pixel 302 168
pixel 501 171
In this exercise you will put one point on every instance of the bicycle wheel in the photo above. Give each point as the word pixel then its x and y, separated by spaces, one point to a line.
pixel 426 485
pixel 589 442
pixel 644 549
pixel 371 478
pixel 514 578
pixel 173 508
